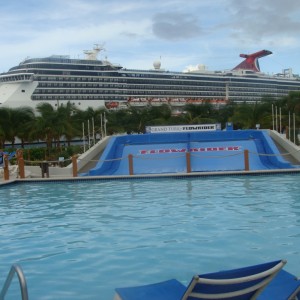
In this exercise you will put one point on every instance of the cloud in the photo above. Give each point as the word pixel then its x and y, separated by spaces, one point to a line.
pixel 175 26
pixel 264 21
pixel 135 33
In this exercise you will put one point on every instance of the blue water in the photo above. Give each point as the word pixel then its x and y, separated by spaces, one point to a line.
pixel 80 240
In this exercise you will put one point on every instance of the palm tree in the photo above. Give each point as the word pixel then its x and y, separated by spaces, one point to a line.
pixel 157 116
pixel 121 121
pixel 67 123
pixel 46 123
pixel 24 118
pixel 197 114
pixel 13 123
pixel 247 116
pixel 5 125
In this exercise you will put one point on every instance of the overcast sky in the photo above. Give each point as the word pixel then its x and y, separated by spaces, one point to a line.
pixel 180 33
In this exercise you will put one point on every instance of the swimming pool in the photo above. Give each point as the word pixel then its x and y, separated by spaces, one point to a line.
pixel 80 240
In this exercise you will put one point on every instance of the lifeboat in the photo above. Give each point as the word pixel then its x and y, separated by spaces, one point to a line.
pixel 196 101
pixel 123 105
pixel 137 102
pixel 177 101
pixel 112 105
pixel 218 102
pixel 158 101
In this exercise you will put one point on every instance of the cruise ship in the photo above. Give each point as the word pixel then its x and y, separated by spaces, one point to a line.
pixel 95 83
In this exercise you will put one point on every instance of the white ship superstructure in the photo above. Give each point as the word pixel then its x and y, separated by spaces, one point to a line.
pixel 97 83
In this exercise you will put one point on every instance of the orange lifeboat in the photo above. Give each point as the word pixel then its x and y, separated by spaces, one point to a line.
pixel 195 101
pixel 137 102
pixel 158 101
pixel 112 105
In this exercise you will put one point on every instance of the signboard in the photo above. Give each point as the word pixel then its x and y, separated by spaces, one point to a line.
pixel 183 128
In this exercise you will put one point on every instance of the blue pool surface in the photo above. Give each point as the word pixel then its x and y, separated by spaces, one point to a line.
pixel 210 151
pixel 81 239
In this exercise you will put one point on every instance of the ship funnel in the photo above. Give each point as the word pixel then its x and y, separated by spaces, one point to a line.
pixel 251 61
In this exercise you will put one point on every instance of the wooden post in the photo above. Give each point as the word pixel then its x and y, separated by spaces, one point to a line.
pixel 21 167
pixel 21 163
pixel 246 159
pixel 74 164
pixel 188 162
pixel 130 164
pixel 6 170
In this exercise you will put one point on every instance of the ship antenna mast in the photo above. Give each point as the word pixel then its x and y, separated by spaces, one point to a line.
pixel 93 54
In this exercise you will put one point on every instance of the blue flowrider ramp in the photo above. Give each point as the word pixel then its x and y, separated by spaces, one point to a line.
pixel 208 151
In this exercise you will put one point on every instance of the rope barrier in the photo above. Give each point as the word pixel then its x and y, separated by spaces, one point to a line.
pixel 101 160
pixel 194 154
pixel 217 156
pixel 47 161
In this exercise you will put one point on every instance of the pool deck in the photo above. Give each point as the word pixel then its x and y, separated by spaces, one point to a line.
pixel 157 176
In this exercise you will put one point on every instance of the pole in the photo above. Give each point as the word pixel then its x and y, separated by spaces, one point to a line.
pixel 289 125
pixel 276 118
pixel 93 123
pixel 246 159
pixel 101 126
pixel 83 137
pixel 294 123
pixel 74 165
pixel 89 134
pixel 5 168
pixel 188 162
pixel 21 163
pixel 273 116
pixel 130 164
pixel 280 120
pixel 105 121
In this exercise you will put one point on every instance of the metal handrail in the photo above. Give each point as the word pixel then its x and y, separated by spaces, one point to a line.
pixel 23 285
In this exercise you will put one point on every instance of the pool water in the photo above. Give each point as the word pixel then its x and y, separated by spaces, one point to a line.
pixel 80 240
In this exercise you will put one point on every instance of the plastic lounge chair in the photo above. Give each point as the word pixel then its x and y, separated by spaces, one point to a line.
pixel 283 286
pixel 238 284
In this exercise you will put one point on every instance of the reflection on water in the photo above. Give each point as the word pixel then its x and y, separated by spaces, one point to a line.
pixel 144 230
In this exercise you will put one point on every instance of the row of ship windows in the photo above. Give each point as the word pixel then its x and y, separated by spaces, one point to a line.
pixel 119 98
pixel 69 67
pixel 119 86
pixel 155 93
pixel 78 79
pixel 163 92
pixel 16 78
pixel 156 81
pixel 123 86
pixel 263 90
pixel 81 97
pixel 114 72
pixel 265 86
pixel 165 87
pixel 88 80
pixel 213 81
pixel 134 92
